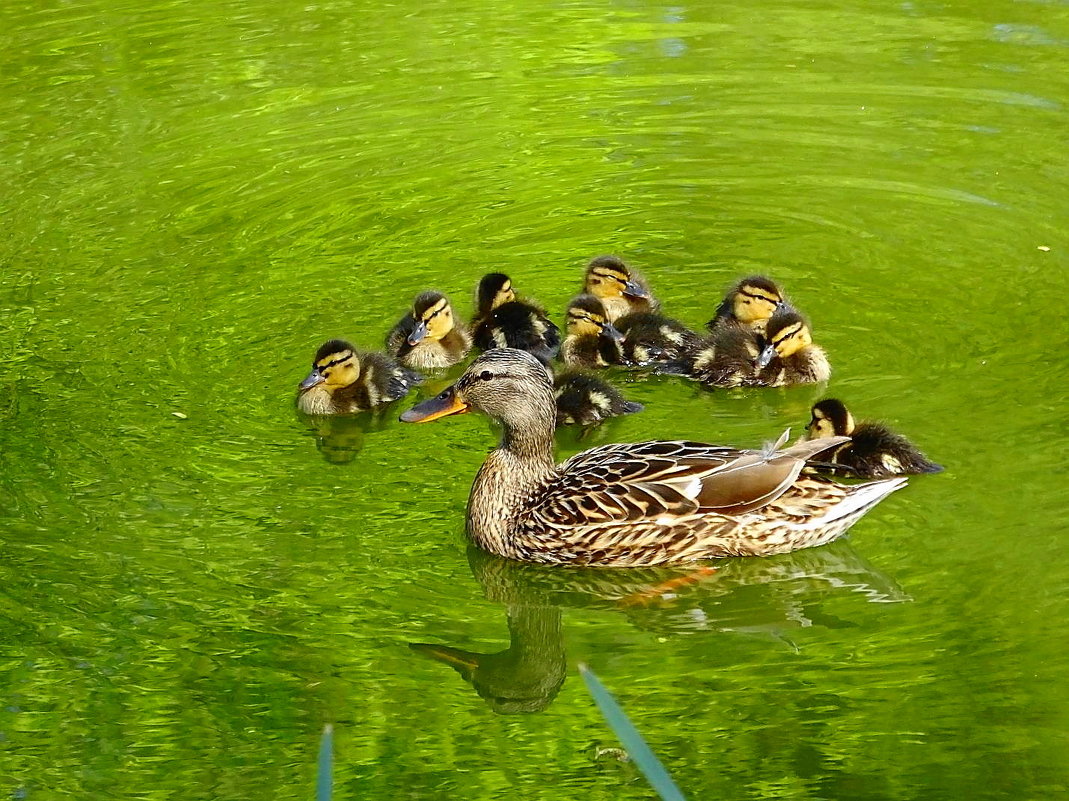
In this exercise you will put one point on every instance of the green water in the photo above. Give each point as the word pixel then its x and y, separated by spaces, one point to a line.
pixel 196 195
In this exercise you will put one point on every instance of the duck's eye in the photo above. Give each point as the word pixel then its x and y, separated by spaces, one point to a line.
pixel 326 374
pixel 486 375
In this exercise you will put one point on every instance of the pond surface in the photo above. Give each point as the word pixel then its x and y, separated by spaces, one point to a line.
pixel 193 581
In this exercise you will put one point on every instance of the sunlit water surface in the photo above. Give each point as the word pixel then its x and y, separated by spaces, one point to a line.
pixel 193 582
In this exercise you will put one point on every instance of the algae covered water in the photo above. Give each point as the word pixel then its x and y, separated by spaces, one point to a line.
pixel 193 580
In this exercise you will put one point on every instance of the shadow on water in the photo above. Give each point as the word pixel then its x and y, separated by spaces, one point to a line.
pixel 757 597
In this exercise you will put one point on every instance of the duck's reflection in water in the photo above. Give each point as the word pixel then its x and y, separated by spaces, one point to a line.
pixel 760 596
pixel 339 438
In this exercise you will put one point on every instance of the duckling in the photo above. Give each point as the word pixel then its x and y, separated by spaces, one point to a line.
pixel 874 450
pixel 591 340
pixel 652 337
pixel 505 321
pixel 585 399
pixel 726 358
pixel 621 289
pixel 429 336
pixel 750 303
pixel 789 355
pixel 345 380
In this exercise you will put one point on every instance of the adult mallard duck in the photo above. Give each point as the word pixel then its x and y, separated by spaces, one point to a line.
pixel 345 380
pixel 749 303
pixel 506 321
pixel 646 503
pixel 873 449
pixel 620 288
pixel 429 336
pixel 590 339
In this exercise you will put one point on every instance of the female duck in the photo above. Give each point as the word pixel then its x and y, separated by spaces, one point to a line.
pixel 505 321
pixel 789 355
pixel 622 290
pixel 873 450
pixel 749 303
pixel 591 340
pixel 429 336
pixel 344 380
pixel 641 504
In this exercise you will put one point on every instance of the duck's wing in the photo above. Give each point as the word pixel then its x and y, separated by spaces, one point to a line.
pixel 669 480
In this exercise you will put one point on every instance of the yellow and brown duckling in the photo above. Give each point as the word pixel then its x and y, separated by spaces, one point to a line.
pixel 630 505
pixel 873 450
pixel 590 339
pixel 429 336
pixel 505 321
pixel 345 380
pixel 651 337
pixel 620 288
pixel 789 355
pixel 749 303
pixel 584 399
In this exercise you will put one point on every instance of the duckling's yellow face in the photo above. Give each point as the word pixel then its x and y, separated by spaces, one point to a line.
pixel 605 282
pixel 791 339
pixel 583 322
pixel 753 304
pixel 503 295
pixel 823 426
pixel 438 319
pixel 335 370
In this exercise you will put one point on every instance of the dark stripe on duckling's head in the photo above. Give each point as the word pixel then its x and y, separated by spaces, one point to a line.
pixel 786 333
pixel 334 348
pixel 752 299
pixel 425 302
pixel 494 289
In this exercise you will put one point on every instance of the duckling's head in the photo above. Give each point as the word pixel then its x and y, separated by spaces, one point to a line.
pixel 587 317
pixel 609 277
pixel 754 298
pixel 507 384
pixel 336 365
pixel 787 333
pixel 433 316
pixel 494 289
pixel 830 419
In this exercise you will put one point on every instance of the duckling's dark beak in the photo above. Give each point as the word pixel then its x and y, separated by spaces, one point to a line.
pixel 315 378
pixel 612 332
pixel 766 357
pixel 418 333
pixel 633 290
pixel 442 406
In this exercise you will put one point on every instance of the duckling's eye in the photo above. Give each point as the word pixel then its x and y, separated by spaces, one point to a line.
pixel 486 375
pixel 326 374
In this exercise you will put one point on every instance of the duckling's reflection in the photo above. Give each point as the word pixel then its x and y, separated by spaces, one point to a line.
pixel 763 597
pixel 339 438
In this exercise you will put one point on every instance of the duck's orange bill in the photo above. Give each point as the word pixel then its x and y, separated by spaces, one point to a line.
pixel 442 406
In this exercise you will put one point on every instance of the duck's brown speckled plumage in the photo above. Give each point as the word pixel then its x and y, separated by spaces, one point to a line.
pixel 634 504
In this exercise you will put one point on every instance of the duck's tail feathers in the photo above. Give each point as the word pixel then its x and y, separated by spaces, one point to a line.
pixel 862 497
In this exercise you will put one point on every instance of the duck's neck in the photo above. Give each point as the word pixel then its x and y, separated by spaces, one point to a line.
pixel 509 482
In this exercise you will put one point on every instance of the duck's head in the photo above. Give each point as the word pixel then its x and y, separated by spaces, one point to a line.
pixel 830 419
pixel 587 317
pixel 494 289
pixel 433 317
pixel 336 365
pixel 507 384
pixel 787 333
pixel 754 298
pixel 610 277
